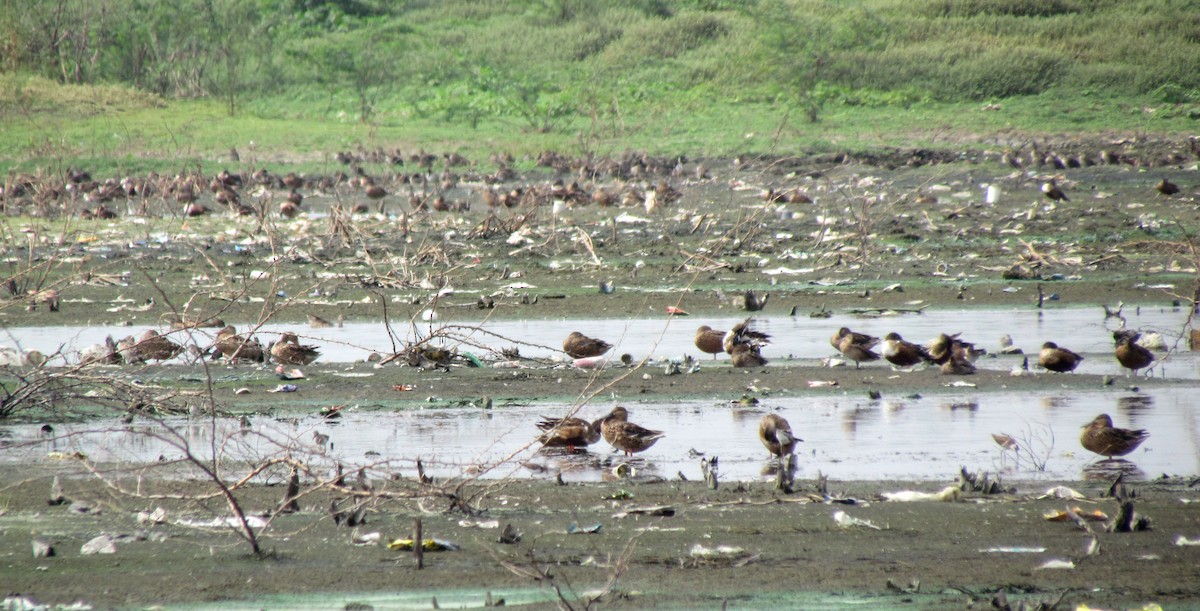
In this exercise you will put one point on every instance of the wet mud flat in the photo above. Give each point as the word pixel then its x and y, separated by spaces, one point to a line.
pixel 634 543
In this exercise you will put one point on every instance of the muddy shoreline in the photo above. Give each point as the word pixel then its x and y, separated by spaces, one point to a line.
pixel 874 239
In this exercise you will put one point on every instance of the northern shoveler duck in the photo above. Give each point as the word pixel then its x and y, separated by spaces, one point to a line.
pixel 1101 437
pixel 289 351
pixel 626 436
pixel 1129 353
pixel 150 346
pixel 776 435
pixel 710 340
pixel 1052 191
pixel 105 353
pixel 902 353
pixel 1057 359
pixel 234 346
pixel 743 334
pixel 747 355
pixel 1167 187
pixel 571 433
pixel 861 339
pixel 578 346
pixel 188 321
pixel 317 322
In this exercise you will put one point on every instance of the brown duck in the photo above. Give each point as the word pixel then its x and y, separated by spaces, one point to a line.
pixel 1129 353
pixel 1101 437
pixel 744 334
pixel 571 433
pixel 903 353
pixel 747 355
pixel 150 346
pixel 580 346
pixel 710 340
pixel 776 435
pixel 861 339
pixel 1059 360
pixel 857 352
pixel 234 346
pixel 626 436
pixel 289 351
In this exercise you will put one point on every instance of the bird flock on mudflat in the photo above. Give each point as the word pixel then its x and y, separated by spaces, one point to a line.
pixel 744 342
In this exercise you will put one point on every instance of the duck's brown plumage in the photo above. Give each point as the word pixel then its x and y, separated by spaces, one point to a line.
pixel 1167 187
pixel 747 355
pixel 958 365
pixel 150 346
pixel 776 434
pixel 235 347
pixel 1101 437
pixel 744 334
pixel 857 352
pixel 580 346
pixel 1129 353
pixel 1058 359
pixel 569 432
pixel 289 351
pixel 626 436
pixel 944 347
pixel 840 336
pixel 710 340
pixel 903 353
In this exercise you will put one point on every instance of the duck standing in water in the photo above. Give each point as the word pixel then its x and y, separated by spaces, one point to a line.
pixel 571 433
pixel 776 435
pixel 1101 437
pixel 626 436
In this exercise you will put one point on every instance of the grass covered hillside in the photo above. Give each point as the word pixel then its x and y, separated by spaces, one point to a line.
pixel 135 78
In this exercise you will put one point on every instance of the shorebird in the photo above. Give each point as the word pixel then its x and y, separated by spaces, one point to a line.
pixel 571 433
pixel 1057 359
pixel 903 353
pixel 776 434
pixel 1129 353
pixel 579 346
pixel 626 436
pixel 1101 437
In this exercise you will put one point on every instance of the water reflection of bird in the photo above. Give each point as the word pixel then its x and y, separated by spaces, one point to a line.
pixel 626 436
pixel 579 346
pixel 1056 359
pixel 1129 353
pixel 1101 437
pixel 710 340
pixel 776 434
pixel 571 433
pixel 903 353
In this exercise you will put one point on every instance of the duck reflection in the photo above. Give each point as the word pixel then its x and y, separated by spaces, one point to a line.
pixel 1110 469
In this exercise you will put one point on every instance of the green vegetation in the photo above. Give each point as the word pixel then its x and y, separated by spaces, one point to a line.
pixel 181 80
